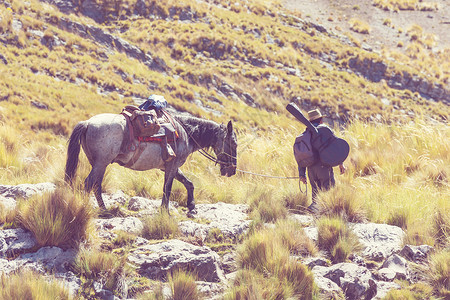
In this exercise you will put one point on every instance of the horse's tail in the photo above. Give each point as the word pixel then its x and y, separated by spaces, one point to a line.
pixel 73 151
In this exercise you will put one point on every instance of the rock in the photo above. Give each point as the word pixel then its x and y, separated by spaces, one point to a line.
pixel 70 281
pixel 46 259
pixel 416 254
pixel 211 290
pixel 379 240
pixel 384 287
pixel 128 224
pixel 311 262
pixel 7 203
pixel 397 265
pixel 13 241
pixel 229 264
pixel 230 219
pixel 26 190
pixel 312 233
pixel 304 220
pixel 354 280
pixel 154 261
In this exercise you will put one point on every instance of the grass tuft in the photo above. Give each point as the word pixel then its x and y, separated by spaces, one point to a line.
pixel 160 226
pixel 28 285
pixel 59 219
pixel 335 237
pixel 183 286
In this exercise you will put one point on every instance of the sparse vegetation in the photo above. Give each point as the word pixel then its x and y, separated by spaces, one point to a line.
pixel 359 26
pixel 57 219
pixel 183 286
pixel 160 226
pixel 29 285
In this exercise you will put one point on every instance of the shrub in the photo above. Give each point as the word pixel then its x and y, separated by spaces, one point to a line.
pixel 342 201
pixel 359 26
pixel 58 219
pixel 107 268
pixel 335 237
pixel 160 226
pixel 441 227
pixel 183 286
pixel 28 285
pixel 292 235
pixel 439 273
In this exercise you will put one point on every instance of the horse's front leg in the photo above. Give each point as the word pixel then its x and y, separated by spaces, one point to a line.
pixel 169 176
pixel 189 188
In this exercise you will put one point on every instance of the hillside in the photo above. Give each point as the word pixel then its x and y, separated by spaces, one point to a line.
pixel 379 70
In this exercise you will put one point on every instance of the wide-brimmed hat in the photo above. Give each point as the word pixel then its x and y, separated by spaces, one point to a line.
pixel 314 115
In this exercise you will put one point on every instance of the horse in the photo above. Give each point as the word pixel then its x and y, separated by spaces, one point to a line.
pixel 105 139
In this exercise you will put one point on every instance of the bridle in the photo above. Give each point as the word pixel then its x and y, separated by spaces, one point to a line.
pixel 210 156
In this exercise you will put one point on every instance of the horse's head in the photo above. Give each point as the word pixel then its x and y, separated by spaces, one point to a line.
pixel 225 150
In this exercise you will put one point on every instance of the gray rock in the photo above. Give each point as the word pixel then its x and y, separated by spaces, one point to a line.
pixel 8 203
pixel 312 233
pixel 379 240
pixel 384 287
pixel 395 264
pixel 128 224
pixel 154 261
pixel 230 219
pixel 416 253
pixel 15 241
pixel 304 220
pixel 354 280
pixel 26 190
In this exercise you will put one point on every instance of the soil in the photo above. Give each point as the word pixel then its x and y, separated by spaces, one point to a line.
pixel 336 14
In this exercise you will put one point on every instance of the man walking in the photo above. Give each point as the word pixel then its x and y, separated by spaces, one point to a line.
pixel 321 177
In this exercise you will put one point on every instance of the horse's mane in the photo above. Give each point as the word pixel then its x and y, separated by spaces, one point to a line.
pixel 203 131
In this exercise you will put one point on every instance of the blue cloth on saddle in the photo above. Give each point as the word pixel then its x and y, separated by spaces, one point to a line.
pixel 156 102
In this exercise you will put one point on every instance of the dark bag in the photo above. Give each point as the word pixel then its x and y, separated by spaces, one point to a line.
pixel 145 123
pixel 303 150
pixel 332 150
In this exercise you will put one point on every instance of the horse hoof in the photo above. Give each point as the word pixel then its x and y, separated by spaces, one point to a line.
pixel 191 213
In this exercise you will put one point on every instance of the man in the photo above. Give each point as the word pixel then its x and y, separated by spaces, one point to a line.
pixel 321 177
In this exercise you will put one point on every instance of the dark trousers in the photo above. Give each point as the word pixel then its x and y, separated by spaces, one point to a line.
pixel 321 178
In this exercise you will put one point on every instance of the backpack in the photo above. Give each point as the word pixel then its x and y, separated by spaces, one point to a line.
pixel 303 150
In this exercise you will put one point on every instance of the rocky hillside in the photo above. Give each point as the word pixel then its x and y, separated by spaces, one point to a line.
pixel 62 61
pixel 369 275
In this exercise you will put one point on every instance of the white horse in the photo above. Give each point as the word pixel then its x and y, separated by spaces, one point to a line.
pixel 105 139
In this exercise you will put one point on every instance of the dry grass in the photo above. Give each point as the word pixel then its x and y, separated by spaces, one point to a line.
pixel 183 286
pixel 29 285
pixel 59 219
pixel 335 237
pixel 359 26
pixel 160 226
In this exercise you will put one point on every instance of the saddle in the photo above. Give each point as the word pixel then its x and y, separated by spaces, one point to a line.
pixel 151 126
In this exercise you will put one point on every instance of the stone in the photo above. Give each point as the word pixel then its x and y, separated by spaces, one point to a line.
pixel 416 254
pixel 156 260
pixel 397 264
pixel 379 240
pixel 26 190
pixel 230 219
pixel 13 241
pixel 128 224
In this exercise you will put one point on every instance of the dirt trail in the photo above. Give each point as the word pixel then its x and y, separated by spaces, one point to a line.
pixel 336 14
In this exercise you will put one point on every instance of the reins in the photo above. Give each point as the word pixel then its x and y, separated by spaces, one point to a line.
pixel 215 160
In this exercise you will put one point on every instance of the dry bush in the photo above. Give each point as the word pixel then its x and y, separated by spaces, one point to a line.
pixel 342 201
pixel 335 237
pixel 359 26
pixel 160 226
pixel 183 286
pixel 107 268
pixel 29 285
pixel 59 219
pixel 439 273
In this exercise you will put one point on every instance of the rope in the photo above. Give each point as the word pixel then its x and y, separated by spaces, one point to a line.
pixel 268 176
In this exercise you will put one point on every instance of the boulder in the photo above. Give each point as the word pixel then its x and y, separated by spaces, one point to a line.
pixel 128 224
pixel 13 241
pixel 149 206
pixel 7 203
pixel 394 267
pixel 155 261
pixel 356 281
pixel 230 219
pixel 379 240
pixel 416 254
pixel 26 190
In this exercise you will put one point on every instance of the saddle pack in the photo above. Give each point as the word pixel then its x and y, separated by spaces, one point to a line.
pixel 144 122
pixel 303 150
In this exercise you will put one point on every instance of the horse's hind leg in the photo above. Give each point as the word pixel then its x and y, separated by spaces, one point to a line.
pixel 94 181
pixel 189 188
